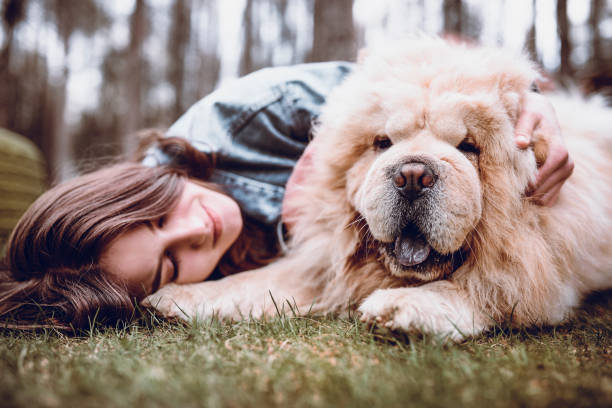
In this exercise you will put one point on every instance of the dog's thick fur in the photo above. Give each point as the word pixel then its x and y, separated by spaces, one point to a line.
pixel 494 255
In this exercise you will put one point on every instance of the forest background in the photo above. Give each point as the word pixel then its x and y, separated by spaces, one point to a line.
pixel 78 76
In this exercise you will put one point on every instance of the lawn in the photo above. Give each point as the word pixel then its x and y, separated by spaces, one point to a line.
pixel 309 362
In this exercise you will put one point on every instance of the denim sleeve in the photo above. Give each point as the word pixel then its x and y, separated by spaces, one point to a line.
pixel 258 127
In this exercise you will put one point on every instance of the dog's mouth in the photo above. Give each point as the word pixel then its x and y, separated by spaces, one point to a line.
pixel 411 247
pixel 411 256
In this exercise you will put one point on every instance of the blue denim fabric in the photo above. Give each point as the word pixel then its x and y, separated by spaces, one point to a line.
pixel 258 127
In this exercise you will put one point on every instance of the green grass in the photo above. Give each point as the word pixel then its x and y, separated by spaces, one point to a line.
pixel 309 362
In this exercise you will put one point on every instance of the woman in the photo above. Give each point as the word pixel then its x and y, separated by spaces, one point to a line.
pixel 205 202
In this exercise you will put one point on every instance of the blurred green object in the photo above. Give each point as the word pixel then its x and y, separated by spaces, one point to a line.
pixel 22 179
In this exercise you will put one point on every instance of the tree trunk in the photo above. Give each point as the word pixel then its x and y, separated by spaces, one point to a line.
pixel 565 67
pixel 334 31
pixel 178 42
pixel 288 30
pixel 61 157
pixel 13 12
pixel 594 19
pixel 206 49
pixel 132 119
pixel 530 40
pixel 452 10
pixel 249 39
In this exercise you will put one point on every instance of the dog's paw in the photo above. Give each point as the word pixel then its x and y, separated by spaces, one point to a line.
pixel 173 300
pixel 416 310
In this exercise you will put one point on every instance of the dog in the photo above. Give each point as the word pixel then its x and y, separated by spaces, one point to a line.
pixel 415 213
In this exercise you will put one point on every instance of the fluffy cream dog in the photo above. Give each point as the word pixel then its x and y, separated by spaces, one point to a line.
pixel 415 211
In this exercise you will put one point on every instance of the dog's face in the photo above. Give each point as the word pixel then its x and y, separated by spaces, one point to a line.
pixel 421 150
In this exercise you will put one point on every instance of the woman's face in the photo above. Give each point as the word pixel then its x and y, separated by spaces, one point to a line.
pixel 184 246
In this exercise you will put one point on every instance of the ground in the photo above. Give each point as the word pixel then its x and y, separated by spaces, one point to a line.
pixel 309 362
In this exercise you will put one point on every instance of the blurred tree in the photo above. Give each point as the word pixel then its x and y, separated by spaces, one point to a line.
pixel 13 12
pixel 249 38
pixel 333 31
pixel 97 138
pixel 135 85
pixel 178 42
pixel 288 33
pixel 595 15
pixel 460 20
pixel 563 32
pixel 86 17
pixel 530 38
pixel 132 117
pixel 452 13
pixel 597 75
pixel 255 54
pixel 204 60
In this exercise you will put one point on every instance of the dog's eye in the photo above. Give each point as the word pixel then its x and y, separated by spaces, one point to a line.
pixel 382 142
pixel 467 145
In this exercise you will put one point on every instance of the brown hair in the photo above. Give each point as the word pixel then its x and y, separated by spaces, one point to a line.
pixel 51 275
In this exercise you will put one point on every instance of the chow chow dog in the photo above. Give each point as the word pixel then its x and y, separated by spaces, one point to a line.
pixel 415 214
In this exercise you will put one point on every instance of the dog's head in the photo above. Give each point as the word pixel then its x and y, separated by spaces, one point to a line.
pixel 420 141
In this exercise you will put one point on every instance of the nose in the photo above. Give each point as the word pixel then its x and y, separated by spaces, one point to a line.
pixel 189 232
pixel 194 237
pixel 412 178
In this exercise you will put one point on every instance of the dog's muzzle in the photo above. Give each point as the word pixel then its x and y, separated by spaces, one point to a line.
pixel 412 179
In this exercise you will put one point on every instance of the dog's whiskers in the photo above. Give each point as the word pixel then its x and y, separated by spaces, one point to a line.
pixel 357 220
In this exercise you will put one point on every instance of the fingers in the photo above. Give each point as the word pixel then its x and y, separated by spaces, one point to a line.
pixel 550 198
pixel 556 159
pixel 550 178
pixel 527 122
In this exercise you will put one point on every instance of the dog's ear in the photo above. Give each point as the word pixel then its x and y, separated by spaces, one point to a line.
pixel 362 55
pixel 539 145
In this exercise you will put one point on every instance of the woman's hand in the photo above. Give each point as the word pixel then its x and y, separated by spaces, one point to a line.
pixel 538 114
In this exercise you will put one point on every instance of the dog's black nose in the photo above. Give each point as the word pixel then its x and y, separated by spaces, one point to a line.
pixel 412 178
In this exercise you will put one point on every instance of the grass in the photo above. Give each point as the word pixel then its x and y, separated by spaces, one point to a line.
pixel 309 362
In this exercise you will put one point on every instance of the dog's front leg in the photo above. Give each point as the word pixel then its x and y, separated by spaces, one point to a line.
pixel 439 308
pixel 254 293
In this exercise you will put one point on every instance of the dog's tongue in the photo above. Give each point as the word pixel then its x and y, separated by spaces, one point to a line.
pixel 411 248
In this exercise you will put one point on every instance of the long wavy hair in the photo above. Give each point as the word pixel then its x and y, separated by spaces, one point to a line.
pixel 51 275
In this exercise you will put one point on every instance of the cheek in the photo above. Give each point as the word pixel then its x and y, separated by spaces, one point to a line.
pixel 234 217
pixel 197 267
pixel 356 175
pixel 458 205
pixel 462 187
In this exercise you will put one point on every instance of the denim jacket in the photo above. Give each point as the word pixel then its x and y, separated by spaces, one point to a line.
pixel 258 127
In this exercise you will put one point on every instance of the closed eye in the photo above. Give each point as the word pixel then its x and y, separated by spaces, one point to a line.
pixel 468 146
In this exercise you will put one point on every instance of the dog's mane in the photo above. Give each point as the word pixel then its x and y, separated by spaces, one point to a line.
pixel 514 255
